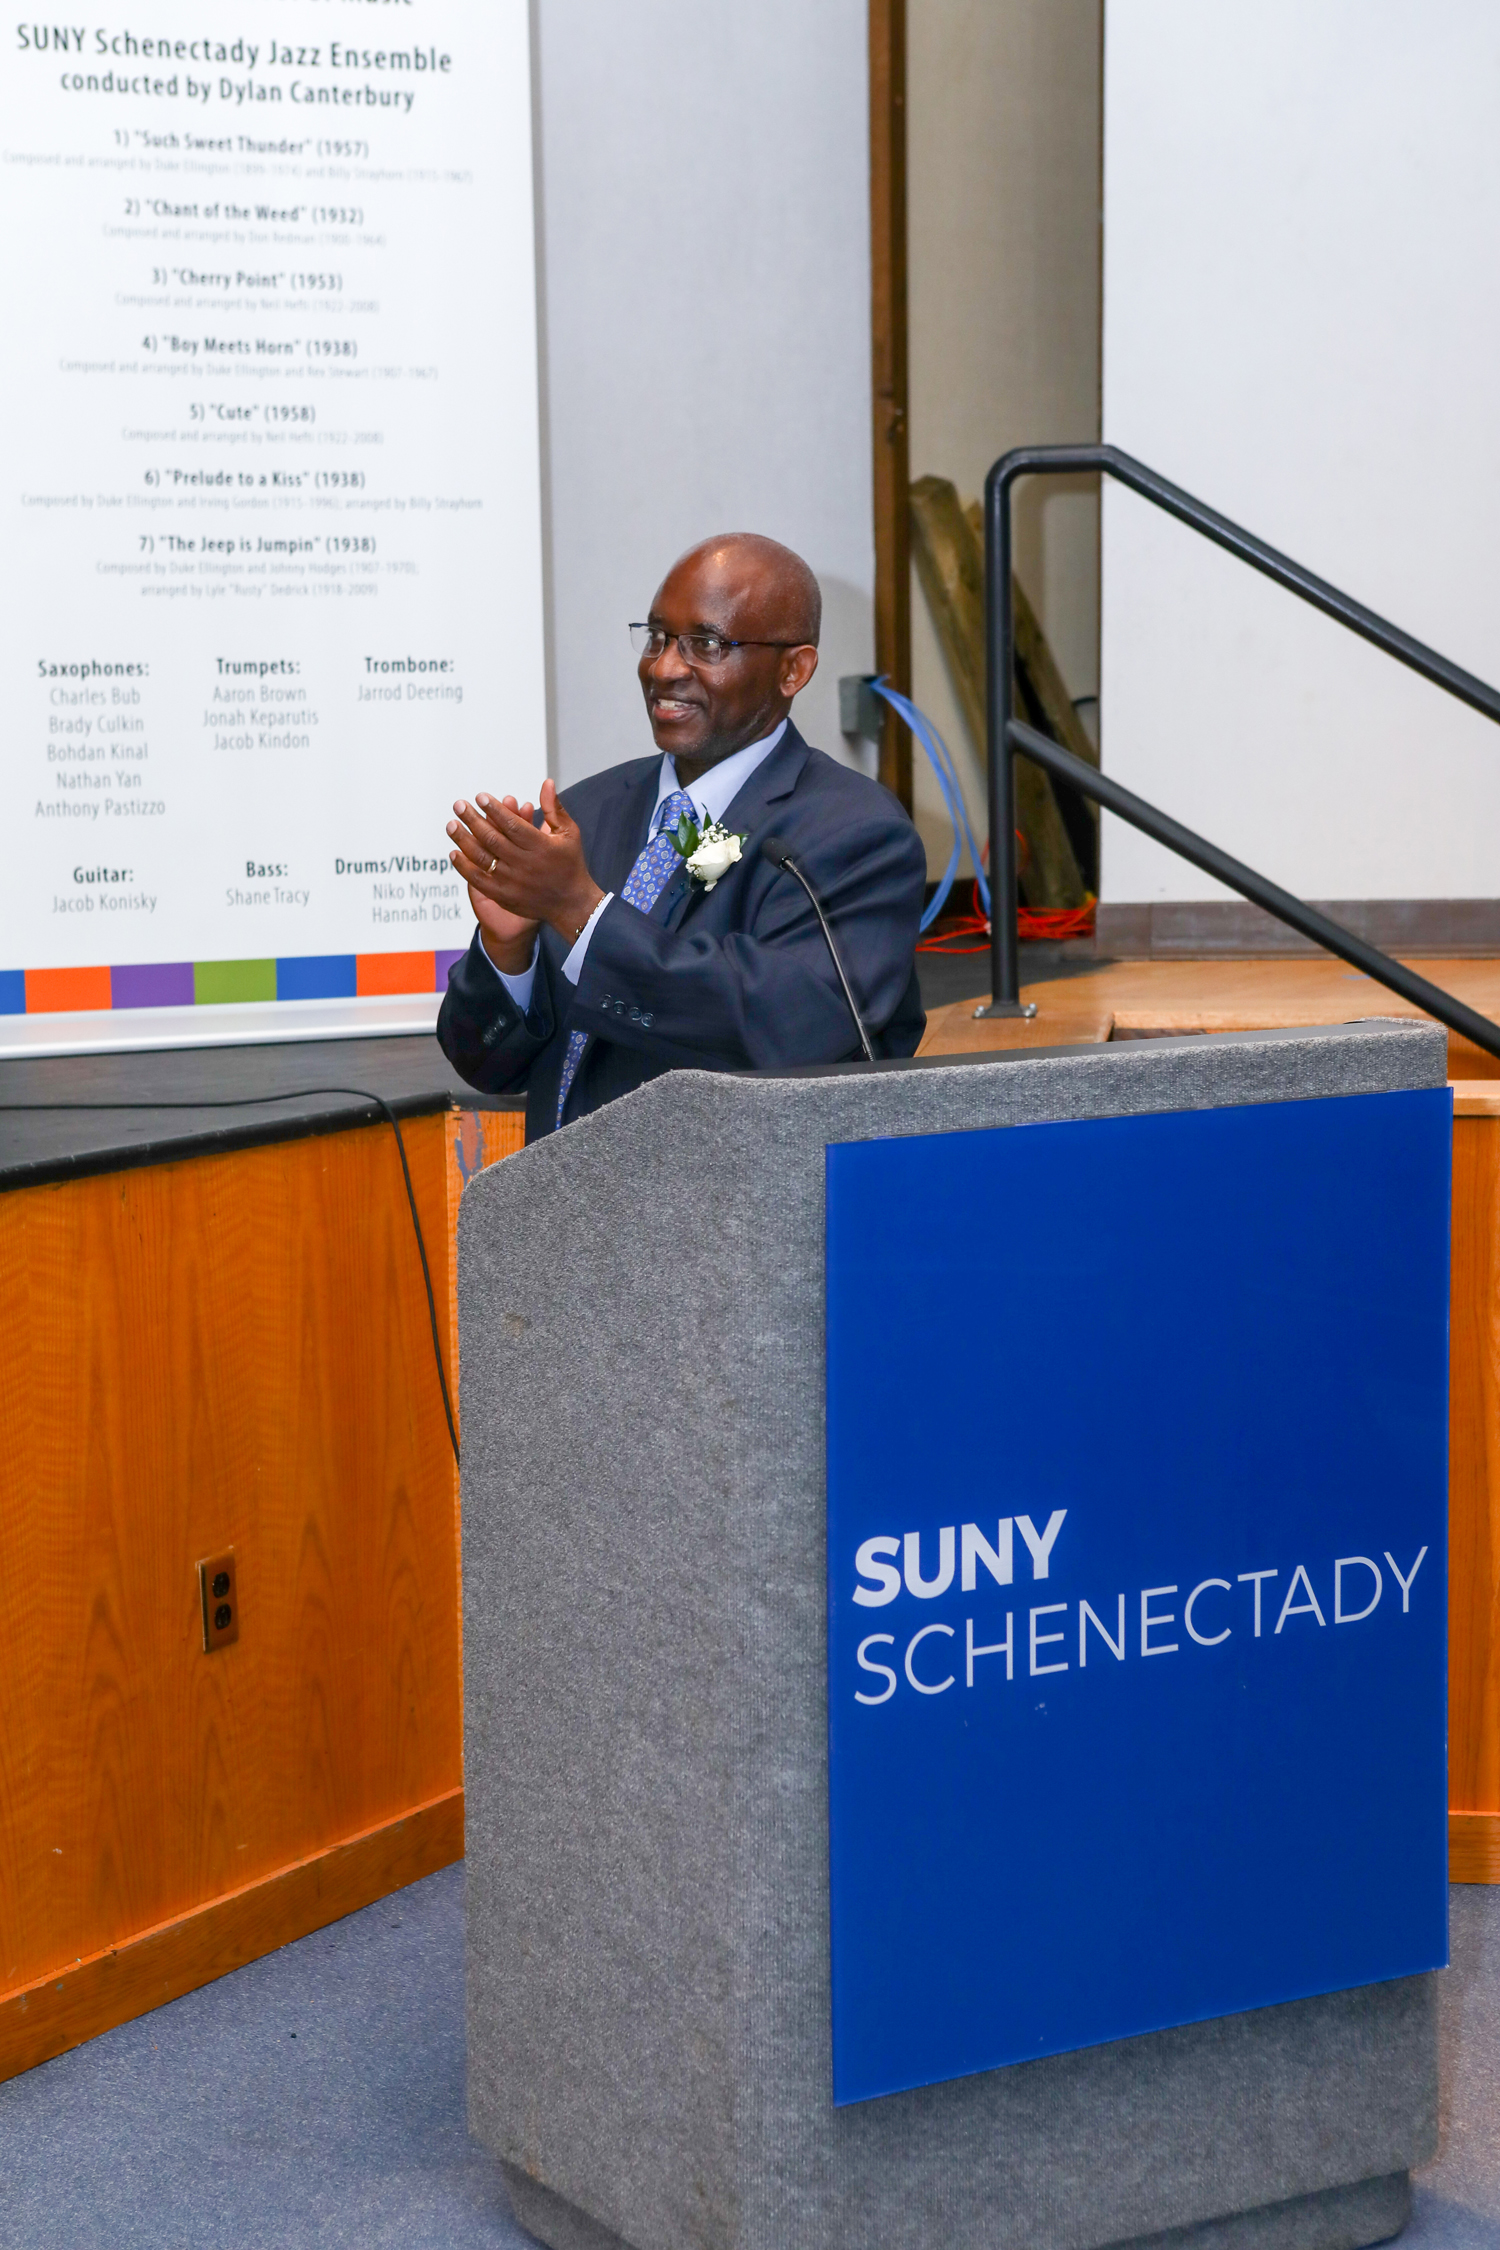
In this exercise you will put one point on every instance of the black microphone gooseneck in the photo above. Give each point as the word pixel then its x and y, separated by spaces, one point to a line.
pixel 776 852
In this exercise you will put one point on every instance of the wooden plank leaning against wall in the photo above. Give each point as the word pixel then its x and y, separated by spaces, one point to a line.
pixel 232 1350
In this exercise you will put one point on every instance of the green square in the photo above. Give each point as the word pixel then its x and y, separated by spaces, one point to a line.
pixel 215 982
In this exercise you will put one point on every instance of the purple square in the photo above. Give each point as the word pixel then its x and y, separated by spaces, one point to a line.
pixel 443 963
pixel 152 984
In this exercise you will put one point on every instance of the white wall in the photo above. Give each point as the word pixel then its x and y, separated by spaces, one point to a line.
pixel 1003 121
pixel 1302 325
pixel 704 178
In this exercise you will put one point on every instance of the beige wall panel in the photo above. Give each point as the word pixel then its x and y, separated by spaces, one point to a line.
pixel 1004 125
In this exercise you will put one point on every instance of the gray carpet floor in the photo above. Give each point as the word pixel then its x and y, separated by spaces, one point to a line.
pixel 315 2101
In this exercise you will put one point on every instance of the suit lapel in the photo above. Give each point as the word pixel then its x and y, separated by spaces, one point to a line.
pixel 750 810
pixel 675 900
pixel 620 831
pixel 774 778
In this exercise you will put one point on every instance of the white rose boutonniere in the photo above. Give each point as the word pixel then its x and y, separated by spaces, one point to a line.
pixel 707 852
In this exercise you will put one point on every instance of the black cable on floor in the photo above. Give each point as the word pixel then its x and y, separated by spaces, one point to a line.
pixel 303 1093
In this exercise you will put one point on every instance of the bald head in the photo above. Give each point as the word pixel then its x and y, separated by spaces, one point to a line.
pixel 762 600
pixel 759 575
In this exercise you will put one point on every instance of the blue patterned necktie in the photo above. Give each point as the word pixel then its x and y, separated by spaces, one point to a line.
pixel 643 887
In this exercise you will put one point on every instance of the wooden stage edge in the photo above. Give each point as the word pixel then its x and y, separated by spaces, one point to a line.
pixel 1474 1847
pixel 63 2009
pixel 1142 999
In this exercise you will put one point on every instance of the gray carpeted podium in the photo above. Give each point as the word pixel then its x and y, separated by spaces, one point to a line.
pixel 641 1307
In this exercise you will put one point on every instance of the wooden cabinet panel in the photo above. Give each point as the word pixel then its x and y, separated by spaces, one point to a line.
pixel 1474 1471
pixel 231 1351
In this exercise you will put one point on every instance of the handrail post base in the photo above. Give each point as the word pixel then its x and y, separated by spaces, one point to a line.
pixel 1006 1008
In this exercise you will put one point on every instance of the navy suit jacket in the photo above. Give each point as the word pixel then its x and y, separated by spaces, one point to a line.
pixel 736 978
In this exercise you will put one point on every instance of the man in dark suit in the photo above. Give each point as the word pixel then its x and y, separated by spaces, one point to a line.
pixel 602 959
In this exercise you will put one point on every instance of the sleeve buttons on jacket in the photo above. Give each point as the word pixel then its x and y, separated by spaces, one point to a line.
pixel 610 1004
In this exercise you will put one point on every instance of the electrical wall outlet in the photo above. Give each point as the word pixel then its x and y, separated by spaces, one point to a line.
pixel 861 711
pixel 218 1587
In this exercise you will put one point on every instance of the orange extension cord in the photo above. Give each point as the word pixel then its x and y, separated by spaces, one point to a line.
pixel 970 933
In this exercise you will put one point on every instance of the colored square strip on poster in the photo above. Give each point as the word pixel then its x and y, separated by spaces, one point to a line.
pixel 1137 1648
pixel 218 983
pixel 186 984
pixel 152 984
pixel 59 991
pixel 317 976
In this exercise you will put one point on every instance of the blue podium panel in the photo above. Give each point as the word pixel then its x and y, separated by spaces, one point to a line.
pixel 1137 1508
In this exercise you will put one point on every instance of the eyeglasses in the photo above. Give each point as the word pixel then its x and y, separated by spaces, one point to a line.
pixel 694 648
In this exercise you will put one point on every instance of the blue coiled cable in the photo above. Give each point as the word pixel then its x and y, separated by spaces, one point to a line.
pixel 941 761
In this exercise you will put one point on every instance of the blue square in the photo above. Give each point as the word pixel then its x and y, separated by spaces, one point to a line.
pixel 1161 1403
pixel 316 976
pixel 12 992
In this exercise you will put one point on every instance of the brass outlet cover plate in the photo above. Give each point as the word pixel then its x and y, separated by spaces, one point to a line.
pixel 219 1592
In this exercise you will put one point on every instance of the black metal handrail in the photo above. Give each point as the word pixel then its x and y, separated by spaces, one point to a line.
pixel 1233 872
pixel 1007 736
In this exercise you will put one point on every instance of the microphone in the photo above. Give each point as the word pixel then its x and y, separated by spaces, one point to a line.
pixel 777 853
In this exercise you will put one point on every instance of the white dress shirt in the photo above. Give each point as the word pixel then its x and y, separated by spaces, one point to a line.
pixel 712 793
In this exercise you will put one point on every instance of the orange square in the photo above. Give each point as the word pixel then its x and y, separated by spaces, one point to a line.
pixel 394 972
pixel 51 991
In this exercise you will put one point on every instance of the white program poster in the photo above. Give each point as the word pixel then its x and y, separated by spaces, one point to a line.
pixel 271 590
